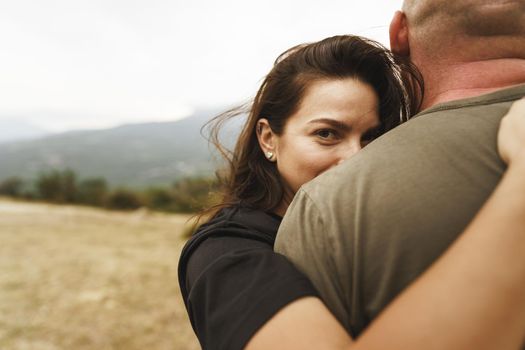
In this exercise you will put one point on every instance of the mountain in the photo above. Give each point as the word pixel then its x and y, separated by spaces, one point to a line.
pixel 14 130
pixel 133 155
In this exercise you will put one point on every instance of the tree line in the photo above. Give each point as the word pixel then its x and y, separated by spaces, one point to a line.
pixel 187 195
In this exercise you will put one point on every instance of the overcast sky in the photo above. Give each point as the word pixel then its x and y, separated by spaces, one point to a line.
pixel 68 64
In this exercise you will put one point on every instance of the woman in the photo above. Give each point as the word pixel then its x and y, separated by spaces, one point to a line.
pixel 320 104
pixel 325 101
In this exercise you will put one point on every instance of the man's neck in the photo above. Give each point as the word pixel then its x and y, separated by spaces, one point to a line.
pixel 454 81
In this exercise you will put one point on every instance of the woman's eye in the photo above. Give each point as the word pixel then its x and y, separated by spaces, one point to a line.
pixel 327 134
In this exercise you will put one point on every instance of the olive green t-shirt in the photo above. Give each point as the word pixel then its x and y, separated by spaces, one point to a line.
pixel 364 230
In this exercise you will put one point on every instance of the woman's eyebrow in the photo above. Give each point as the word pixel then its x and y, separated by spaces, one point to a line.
pixel 333 123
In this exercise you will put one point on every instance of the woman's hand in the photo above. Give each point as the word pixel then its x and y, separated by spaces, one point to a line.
pixel 511 135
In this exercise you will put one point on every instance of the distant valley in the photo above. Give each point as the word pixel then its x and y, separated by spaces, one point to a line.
pixel 133 155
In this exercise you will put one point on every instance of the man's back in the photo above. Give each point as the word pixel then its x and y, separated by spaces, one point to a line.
pixel 365 230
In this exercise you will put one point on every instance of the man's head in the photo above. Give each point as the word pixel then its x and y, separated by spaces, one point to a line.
pixel 460 30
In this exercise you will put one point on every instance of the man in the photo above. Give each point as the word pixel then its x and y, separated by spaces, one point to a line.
pixel 367 229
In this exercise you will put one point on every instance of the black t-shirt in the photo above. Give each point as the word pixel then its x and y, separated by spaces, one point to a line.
pixel 232 281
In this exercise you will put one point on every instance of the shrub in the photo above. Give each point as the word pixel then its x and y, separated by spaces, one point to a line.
pixel 159 199
pixel 92 191
pixel 123 199
pixel 12 187
pixel 57 186
pixel 194 194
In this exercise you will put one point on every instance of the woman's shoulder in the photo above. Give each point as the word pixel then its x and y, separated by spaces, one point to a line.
pixel 240 222
pixel 230 231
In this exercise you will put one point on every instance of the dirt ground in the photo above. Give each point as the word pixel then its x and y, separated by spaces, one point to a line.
pixel 83 278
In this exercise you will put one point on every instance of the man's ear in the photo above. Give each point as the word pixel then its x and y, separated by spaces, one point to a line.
pixel 399 43
pixel 267 139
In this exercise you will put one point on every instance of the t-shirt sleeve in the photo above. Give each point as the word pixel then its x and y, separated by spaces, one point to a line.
pixel 235 285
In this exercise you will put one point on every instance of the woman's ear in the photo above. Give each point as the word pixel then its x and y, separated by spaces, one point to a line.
pixel 399 43
pixel 267 139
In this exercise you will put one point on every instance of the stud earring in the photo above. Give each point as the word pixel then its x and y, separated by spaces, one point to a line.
pixel 269 156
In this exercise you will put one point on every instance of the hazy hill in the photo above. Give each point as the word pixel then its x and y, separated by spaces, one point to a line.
pixel 134 155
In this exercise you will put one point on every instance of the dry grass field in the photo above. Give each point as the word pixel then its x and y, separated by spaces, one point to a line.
pixel 83 278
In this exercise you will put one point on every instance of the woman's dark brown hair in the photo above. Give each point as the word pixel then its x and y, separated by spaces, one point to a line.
pixel 250 179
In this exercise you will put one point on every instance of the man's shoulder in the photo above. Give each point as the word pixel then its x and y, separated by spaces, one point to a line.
pixel 382 217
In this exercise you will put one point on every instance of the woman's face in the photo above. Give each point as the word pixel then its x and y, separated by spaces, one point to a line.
pixel 331 125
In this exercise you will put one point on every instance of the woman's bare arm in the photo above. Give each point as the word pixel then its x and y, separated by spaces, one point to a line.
pixel 473 297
